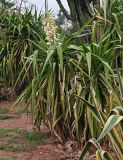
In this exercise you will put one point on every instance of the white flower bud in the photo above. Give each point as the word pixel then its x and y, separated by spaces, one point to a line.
pixel 48 43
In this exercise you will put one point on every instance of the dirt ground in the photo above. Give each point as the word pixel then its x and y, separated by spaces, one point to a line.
pixel 51 149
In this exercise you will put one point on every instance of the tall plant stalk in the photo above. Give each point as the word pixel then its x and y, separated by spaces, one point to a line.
pixel 46 6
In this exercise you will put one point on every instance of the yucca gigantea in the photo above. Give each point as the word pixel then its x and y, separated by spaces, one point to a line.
pixel 95 78
pixel 112 124
pixel 62 70
pixel 112 127
pixel 19 29
pixel 54 81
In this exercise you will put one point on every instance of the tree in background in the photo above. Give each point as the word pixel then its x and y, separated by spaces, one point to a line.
pixel 80 11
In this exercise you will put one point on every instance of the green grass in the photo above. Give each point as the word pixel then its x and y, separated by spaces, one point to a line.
pixel 8 147
pixel 4 117
pixel 33 138
pixel 4 114
pixel 4 110
pixel 7 159
pixel 18 140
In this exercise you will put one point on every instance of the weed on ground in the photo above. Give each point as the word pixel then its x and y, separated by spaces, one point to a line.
pixel 18 140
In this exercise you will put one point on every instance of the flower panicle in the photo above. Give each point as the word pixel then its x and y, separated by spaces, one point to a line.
pixel 50 29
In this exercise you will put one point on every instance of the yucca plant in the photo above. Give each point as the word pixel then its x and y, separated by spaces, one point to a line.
pixel 112 124
pixel 111 121
pixel 54 81
pixel 95 78
pixel 108 123
pixel 97 59
pixel 63 70
pixel 16 42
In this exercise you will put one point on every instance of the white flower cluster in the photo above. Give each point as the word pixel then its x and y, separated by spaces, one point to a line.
pixel 50 29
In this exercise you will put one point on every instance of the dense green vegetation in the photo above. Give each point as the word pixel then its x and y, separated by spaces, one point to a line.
pixel 72 82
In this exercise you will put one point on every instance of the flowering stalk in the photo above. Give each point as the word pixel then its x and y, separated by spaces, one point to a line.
pixel 50 29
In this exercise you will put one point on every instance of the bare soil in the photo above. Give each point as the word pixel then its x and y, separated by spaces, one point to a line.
pixel 51 149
